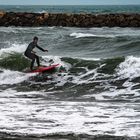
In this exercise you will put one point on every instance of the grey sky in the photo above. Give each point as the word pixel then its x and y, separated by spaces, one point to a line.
pixel 69 2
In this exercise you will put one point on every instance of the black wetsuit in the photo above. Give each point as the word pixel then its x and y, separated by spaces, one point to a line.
pixel 28 53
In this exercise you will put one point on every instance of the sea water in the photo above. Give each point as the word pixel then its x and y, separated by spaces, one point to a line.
pixel 95 93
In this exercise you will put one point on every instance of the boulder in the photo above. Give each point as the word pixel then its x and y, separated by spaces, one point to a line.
pixel 2 13
pixel 46 15
pixel 39 20
pixel 29 15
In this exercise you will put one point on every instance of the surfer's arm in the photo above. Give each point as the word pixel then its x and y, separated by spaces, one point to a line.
pixel 41 48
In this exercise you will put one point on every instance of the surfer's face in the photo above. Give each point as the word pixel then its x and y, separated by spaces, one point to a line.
pixel 35 41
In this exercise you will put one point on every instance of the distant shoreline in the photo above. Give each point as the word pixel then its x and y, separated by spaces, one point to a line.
pixel 24 19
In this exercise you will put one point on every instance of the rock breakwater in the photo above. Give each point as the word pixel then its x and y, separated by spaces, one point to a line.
pixel 68 20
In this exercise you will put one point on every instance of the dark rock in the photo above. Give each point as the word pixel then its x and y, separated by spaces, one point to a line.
pixel 69 20
pixel 46 15
pixel 29 16
pixel 2 13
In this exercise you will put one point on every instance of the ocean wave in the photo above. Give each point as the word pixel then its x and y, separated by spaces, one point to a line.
pixel 66 136
pixel 14 47
pixel 8 77
pixel 126 33
pixel 14 61
pixel 67 118
pixel 102 79
pixel 8 30
pixel 82 76
pixel 82 35
pixel 43 11
pixel 130 68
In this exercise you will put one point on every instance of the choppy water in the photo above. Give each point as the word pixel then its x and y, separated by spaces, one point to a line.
pixel 95 92
pixel 73 8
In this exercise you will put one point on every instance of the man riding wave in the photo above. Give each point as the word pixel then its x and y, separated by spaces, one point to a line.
pixel 31 54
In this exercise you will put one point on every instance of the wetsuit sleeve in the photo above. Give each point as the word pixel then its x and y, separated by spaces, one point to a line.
pixel 40 48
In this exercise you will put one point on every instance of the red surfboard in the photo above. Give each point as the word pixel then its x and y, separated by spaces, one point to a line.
pixel 44 68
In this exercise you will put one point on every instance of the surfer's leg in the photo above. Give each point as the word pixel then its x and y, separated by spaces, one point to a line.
pixel 37 60
pixel 32 57
pixel 32 64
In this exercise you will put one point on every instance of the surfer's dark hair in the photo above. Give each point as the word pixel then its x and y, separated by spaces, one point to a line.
pixel 35 38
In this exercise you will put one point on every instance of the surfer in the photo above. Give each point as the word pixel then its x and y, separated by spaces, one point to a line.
pixel 30 53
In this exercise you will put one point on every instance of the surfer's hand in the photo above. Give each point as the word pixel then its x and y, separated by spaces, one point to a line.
pixel 46 50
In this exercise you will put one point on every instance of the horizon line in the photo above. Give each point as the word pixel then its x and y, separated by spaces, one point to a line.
pixel 68 4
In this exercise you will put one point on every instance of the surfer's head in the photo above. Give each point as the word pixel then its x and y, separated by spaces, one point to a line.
pixel 35 39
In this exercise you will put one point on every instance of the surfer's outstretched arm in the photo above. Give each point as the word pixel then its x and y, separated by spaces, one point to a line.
pixel 41 48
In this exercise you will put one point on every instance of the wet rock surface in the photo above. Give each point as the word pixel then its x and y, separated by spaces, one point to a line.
pixel 69 20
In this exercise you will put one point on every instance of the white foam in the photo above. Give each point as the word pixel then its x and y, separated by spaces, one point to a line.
pixel 106 32
pixel 121 94
pixel 81 35
pixel 84 58
pixel 15 47
pixel 83 78
pixel 57 60
pixel 130 68
pixel 13 77
pixel 43 11
pixel 41 117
